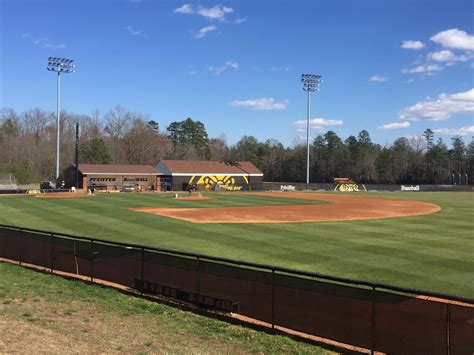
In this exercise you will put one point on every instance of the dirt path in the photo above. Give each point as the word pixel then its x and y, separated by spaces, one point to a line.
pixel 62 195
pixel 193 198
pixel 340 208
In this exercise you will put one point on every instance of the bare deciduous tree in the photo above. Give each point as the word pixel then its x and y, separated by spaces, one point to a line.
pixel 28 149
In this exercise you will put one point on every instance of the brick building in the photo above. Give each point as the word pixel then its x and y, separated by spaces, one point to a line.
pixel 114 177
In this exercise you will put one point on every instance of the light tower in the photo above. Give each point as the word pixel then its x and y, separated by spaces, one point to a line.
pixel 311 82
pixel 59 65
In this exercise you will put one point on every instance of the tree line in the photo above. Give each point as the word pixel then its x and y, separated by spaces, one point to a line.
pixel 119 136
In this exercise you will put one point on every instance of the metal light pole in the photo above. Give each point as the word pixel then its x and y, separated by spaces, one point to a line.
pixel 59 65
pixel 311 83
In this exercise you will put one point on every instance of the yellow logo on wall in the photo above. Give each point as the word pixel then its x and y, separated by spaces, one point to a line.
pixel 209 182
pixel 33 192
pixel 350 187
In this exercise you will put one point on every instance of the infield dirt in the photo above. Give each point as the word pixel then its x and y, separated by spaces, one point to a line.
pixel 338 208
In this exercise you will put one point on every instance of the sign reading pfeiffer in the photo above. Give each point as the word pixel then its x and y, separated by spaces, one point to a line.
pixel 102 179
pixel 410 188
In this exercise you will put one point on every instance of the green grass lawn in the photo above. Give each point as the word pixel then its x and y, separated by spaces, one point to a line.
pixel 432 252
pixel 46 314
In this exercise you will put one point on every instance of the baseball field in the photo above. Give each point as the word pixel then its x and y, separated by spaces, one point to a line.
pixel 421 240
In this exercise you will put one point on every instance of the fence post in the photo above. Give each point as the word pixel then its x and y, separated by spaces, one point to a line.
pixel 273 299
pixel 92 260
pixel 448 329
pixel 75 255
pixel 372 350
pixel 20 253
pixel 52 252
pixel 142 283
pixel 197 282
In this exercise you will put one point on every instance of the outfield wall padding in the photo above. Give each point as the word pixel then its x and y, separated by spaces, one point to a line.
pixel 276 186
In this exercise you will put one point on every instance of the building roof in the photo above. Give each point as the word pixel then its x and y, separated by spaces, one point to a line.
pixel 207 167
pixel 118 169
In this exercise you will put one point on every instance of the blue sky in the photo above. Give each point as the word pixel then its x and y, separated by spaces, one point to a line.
pixel 393 68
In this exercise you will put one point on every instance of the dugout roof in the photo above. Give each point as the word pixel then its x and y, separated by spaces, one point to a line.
pixel 207 167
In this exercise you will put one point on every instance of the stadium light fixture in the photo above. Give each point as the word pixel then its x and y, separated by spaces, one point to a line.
pixel 59 65
pixel 311 83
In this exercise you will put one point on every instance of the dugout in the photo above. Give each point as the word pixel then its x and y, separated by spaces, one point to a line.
pixel 114 177
pixel 210 175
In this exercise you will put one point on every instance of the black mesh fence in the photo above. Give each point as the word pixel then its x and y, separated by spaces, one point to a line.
pixel 249 289
pixel 461 329
pixel 10 247
pixel 377 317
pixel 36 248
pixel 409 325
pixel 116 263
pixel 72 256
pixel 330 310
pixel 164 270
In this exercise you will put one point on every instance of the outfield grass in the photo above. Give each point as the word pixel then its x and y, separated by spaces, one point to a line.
pixel 432 252
pixel 42 313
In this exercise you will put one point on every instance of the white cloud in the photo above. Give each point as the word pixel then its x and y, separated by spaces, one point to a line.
pixel 40 41
pixel 316 124
pixel 441 56
pixel 261 104
pixel 463 131
pixel 217 12
pixel 438 60
pixel 416 45
pixel 204 31
pixel 423 69
pixel 44 43
pixel 240 20
pixel 454 38
pixel 227 65
pixel 395 125
pixel 415 138
pixel 378 78
pixel 441 108
pixel 134 32
pixel 278 69
pixel 185 9
pixel 446 56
